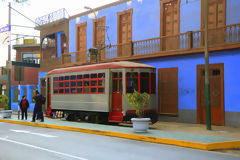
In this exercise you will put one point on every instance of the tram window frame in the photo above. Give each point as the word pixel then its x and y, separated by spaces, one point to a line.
pixel 94 88
pixel 101 89
pixel 79 79
pixel 136 77
pixel 73 79
pixel 55 81
pixel 147 78
pixel 67 81
pixel 61 89
pixel 86 88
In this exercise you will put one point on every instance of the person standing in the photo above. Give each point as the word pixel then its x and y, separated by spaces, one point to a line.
pixel 24 105
pixel 38 106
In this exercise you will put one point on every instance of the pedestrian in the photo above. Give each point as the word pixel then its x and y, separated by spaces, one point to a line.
pixel 38 106
pixel 24 105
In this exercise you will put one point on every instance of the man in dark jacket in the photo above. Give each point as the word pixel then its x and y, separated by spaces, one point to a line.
pixel 24 105
pixel 38 106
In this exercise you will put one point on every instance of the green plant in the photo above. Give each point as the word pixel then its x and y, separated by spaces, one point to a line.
pixel 4 101
pixel 139 101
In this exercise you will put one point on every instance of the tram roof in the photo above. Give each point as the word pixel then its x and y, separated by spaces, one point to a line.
pixel 110 65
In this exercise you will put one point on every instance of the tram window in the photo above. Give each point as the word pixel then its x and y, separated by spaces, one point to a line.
pixel 73 90
pixel 120 75
pixel 120 85
pixel 94 83
pixel 55 91
pixel 67 90
pixel 67 84
pixel 73 77
pixel 132 82
pixel 153 83
pixel 86 83
pixel 55 78
pixel 86 90
pixel 132 74
pixel 61 78
pixel 60 84
pixel 93 90
pixel 60 90
pixel 79 90
pixel 100 90
pixel 79 83
pixel 55 85
pixel 144 82
pixel 79 76
pixel 101 82
pixel 115 75
pixel 93 75
pixel 66 77
pixel 101 75
pixel 115 85
pixel 73 84
pixel 86 76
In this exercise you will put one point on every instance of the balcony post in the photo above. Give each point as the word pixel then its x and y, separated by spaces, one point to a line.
pixel 190 39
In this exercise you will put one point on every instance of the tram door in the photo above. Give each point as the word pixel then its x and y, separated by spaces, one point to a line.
pixel 117 88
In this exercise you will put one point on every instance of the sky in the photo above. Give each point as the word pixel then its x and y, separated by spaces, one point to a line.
pixel 34 9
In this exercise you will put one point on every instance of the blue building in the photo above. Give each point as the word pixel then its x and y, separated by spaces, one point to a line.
pixel 166 34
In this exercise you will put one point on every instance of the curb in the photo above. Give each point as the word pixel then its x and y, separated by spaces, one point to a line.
pixel 181 143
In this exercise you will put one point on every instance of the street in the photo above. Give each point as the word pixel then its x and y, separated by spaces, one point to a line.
pixel 25 142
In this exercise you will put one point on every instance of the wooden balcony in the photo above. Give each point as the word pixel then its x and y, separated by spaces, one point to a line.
pixel 227 37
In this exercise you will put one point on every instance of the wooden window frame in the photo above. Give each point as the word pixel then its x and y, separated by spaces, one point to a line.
pixel 202 13
pixel 162 2
pixel 77 38
pixel 94 22
pixel 118 22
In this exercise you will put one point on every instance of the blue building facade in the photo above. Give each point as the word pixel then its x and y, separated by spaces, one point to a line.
pixel 146 24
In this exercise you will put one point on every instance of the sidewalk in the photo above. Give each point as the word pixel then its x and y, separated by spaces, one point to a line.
pixel 172 133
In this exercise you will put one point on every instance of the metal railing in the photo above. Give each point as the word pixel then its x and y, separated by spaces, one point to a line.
pixel 51 17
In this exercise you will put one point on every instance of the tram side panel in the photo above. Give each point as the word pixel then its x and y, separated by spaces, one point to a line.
pixel 84 101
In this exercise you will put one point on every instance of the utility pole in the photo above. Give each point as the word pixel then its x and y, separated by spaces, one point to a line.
pixel 207 86
pixel 9 73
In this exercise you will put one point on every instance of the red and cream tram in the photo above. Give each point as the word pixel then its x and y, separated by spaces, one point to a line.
pixel 98 92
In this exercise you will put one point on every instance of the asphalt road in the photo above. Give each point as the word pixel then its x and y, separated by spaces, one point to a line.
pixel 18 142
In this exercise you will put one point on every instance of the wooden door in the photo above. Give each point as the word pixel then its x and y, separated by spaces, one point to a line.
pixel 124 31
pixel 81 41
pixel 99 35
pixel 168 91
pixel 216 81
pixel 170 24
pixel 216 21
pixel 117 87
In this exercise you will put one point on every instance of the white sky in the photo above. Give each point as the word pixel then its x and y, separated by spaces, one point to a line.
pixel 34 9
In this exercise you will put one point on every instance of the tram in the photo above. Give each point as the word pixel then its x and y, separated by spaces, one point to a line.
pixel 97 92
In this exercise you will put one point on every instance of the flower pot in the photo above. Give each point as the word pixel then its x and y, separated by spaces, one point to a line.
pixel 140 124
pixel 6 113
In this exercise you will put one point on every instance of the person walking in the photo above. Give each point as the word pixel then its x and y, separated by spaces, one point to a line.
pixel 38 106
pixel 24 105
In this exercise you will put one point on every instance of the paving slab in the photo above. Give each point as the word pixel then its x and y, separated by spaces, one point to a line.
pixel 197 141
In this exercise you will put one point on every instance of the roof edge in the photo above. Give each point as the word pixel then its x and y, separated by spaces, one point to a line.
pixel 99 8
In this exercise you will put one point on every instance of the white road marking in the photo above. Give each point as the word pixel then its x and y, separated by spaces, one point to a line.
pixel 40 148
pixel 38 134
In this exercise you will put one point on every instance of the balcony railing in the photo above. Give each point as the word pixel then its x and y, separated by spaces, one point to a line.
pixel 51 17
pixel 226 35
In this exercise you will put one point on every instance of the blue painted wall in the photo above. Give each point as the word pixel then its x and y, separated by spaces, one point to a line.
pixel 59 43
pixel 29 96
pixel 187 76
pixel 146 19
pixel 143 11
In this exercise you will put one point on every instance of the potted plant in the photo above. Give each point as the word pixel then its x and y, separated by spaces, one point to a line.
pixel 4 104
pixel 140 101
